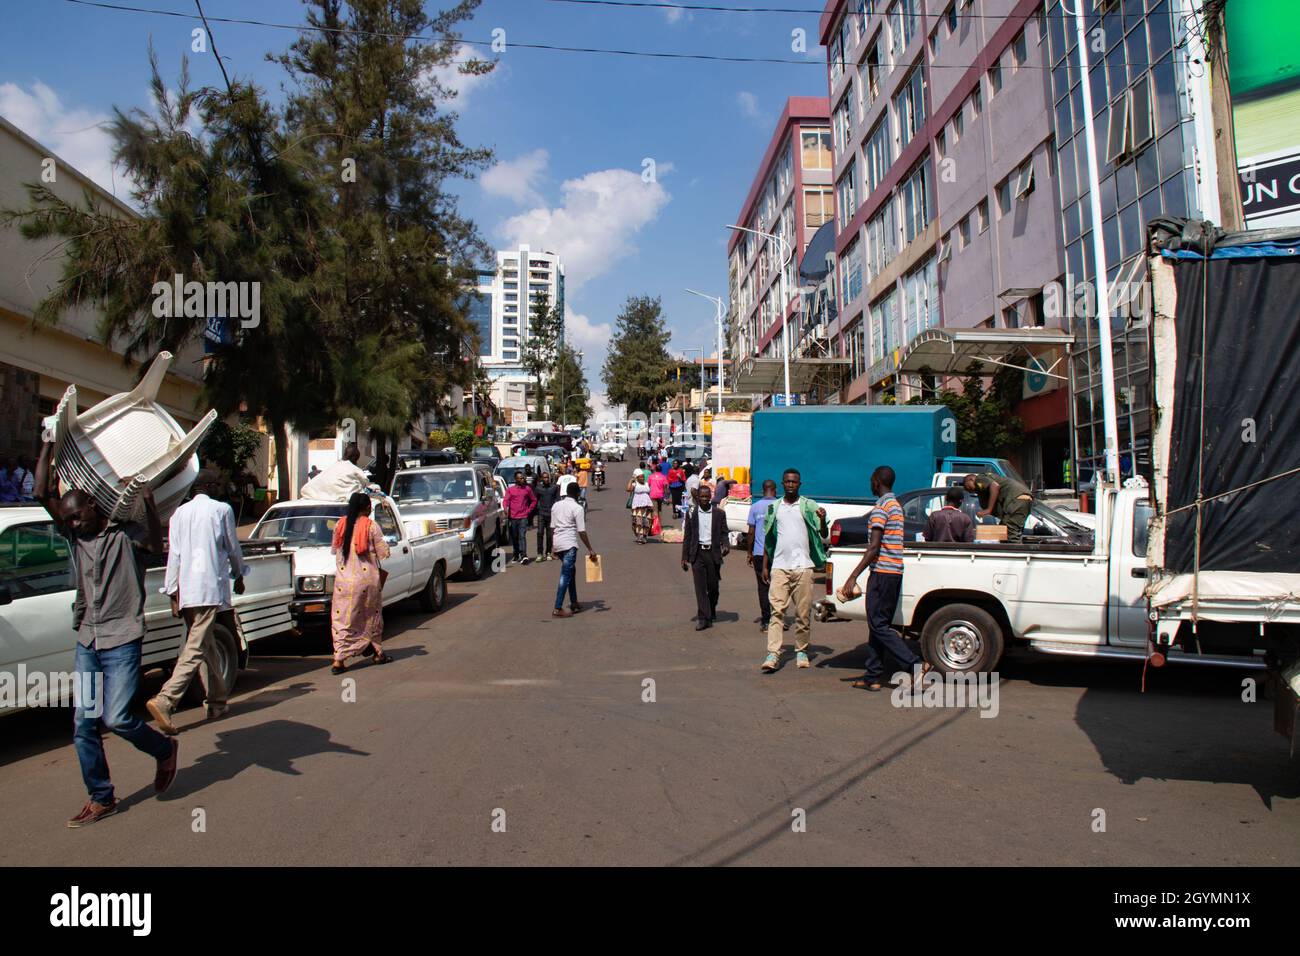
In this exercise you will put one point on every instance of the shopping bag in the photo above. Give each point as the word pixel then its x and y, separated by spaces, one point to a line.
pixel 656 527
pixel 594 574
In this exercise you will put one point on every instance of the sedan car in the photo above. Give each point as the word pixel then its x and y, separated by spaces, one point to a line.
pixel 1046 525
pixel 485 455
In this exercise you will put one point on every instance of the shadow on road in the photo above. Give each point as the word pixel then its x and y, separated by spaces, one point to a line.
pixel 273 745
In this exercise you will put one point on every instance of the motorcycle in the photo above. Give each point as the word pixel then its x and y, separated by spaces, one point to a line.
pixel 599 478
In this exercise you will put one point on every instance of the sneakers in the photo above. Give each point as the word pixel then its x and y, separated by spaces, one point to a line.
pixel 525 560
pixel 769 664
pixel 93 812
pixel 166 769
pixel 801 659
pixel 160 711
pixel 561 612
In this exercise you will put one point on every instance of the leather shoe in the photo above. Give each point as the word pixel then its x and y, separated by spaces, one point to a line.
pixel 575 608
pixel 561 612
pixel 703 625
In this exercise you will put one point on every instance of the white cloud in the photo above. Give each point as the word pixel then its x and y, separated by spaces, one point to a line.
pixel 594 226
pixel 461 84
pixel 77 136
pixel 748 103
pixel 517 179
pixel 676 15
pixel 586 336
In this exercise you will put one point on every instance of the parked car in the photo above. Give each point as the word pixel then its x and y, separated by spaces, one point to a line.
pixel 688 451
pixel 506 470
pixel 552 453
pixel 460 498
pixel 418 567
pixel 535 439
pixel 485 455
pixel 1045 524
pixel 611 450
pixel 36 592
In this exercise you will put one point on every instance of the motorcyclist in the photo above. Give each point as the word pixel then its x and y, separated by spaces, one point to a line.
pixel 599 469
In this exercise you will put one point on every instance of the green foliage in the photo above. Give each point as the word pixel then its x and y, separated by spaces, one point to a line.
pixel 567 390
pixel 541 353
pixel 230 447
pixel 985 423
pixel 462 436
pixel 637 365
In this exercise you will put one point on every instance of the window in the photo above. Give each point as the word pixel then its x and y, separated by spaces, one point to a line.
pixel 958 124
pixel 951 17
pixel 34 560
pixel 870 74
pixel 387 523
pixel 884 326
pixel 995 79
pixel 909 105
pixel 1117 136
pixel 1004 197
pixel 1019 50
pixel 1141 126
pixel 818 206
pixel 902 27
pixel 963 230
pixel 1024 179
pixel 846 191
pixel 816 148
pixel 855 341
pixel 851 272
pixel 843 125
pixel 878 154
pixel 982 215
pixel 837 59
pixel 1142 514
pixel 882 240
pixel 920 299
pixel 941 143
pixel 915 198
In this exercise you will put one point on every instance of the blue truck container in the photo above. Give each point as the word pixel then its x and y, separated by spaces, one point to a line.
pixel 836 447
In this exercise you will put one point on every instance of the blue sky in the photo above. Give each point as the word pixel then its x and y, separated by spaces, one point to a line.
pixel 571 131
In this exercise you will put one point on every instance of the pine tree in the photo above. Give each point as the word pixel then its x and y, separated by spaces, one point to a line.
pixel 567 389
pixel 636 368
pixel 545 337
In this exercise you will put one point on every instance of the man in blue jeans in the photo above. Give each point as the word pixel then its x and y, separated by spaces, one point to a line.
pixel 108 616
pixel 568 524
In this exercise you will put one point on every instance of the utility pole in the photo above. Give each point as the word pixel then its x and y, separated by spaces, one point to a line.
pixel 1225 134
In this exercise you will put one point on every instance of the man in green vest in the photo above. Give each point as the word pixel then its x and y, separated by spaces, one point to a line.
pixel 1004 497
pixel 793 532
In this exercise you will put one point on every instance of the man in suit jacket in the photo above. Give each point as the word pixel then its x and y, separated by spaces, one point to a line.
pixel 703 548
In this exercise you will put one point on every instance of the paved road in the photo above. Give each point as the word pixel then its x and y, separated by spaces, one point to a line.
pixel 494 706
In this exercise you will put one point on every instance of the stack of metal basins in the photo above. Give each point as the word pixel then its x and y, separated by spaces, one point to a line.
pixel 126 443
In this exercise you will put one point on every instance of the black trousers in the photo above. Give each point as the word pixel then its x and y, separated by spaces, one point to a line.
pixel 764 605
pixel 543 534
pixel 707 574
pixel 883 591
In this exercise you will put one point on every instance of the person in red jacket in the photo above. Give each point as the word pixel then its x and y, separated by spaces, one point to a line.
pixel 520 503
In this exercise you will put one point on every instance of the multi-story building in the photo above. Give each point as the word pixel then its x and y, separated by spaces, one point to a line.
pixel 522 278
pixel 945 192
pixel 790 197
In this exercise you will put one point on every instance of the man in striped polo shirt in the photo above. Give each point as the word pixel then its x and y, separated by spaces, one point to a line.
pixel 885 557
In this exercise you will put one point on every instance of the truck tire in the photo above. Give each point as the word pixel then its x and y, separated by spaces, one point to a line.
pixel 434 595
pixel 227 651
pixel 959 638
pixel 476 562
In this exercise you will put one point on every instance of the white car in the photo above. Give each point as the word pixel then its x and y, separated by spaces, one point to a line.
pixel 610 450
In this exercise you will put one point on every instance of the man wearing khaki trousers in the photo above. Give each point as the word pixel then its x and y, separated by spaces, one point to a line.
pixel 793 531
pixel 202 545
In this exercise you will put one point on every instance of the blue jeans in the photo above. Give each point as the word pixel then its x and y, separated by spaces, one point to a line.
pixel 519 536
pixel 568 578
pixel 120 670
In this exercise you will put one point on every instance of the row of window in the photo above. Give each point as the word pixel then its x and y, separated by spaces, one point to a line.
pixel 899 221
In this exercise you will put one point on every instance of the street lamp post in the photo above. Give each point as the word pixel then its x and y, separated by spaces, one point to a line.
pixel 785 301
pixel 717 302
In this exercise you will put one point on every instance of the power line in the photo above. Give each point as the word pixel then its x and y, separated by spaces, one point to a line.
pixel 813 11
pixel 492 44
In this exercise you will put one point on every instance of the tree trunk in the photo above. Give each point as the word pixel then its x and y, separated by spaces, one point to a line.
pixel 285 490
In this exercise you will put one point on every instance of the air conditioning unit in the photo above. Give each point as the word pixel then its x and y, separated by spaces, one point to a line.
pixel 819 332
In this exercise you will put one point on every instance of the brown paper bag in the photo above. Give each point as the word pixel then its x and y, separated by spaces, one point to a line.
pixel 594 575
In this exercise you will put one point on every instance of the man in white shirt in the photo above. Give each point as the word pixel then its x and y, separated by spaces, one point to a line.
pixel 340 480
pixel 568 524
pixel 793 529
pixel 201 547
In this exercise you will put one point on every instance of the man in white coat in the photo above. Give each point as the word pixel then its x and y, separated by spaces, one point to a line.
pixel 203 555
pixel 339 480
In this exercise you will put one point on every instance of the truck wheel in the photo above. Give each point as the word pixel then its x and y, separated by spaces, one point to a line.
pixel 477 560
pixel 226 649
pixel 434 595
pixel 961 637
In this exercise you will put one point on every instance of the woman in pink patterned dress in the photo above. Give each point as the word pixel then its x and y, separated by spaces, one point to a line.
pixel 357 614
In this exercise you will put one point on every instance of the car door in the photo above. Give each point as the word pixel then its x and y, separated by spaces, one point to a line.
pixel 37 593
pixel 400 561
pixel 1126 614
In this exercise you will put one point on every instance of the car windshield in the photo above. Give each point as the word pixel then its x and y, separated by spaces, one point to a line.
pixel 1051 514
pixel 302 526
pixel 434 487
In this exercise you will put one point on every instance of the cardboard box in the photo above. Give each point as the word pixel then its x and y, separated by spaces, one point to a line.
pixel 990 532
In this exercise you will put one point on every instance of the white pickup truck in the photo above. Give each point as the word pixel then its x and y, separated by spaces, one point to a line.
pixel 967 602
pixel 418 566
pixel 36 596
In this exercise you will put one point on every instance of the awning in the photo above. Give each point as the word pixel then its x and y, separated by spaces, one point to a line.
pixel 954 351
pixel 766 376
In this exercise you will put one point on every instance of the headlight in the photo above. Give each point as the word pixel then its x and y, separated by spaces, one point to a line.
pixel 312 584
pixel 467 523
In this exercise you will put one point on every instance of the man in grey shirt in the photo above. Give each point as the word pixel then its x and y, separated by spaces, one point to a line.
pixel 108 616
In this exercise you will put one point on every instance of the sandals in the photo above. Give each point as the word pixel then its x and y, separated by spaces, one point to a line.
pixel 382 658
pixel 338 667
pixel 863 684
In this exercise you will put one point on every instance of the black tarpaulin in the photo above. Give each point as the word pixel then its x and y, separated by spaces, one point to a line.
pixel 1243 316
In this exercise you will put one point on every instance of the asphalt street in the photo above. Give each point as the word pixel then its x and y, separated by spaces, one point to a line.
pixel 502 736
